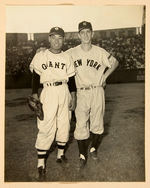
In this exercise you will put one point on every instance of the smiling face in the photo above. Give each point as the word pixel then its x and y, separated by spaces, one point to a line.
pixel 85 35
pixel 56 42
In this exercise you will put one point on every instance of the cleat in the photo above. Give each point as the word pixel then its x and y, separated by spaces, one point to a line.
pixel 63 159
pixel 82 163
pixel 94 155
pixel 42 173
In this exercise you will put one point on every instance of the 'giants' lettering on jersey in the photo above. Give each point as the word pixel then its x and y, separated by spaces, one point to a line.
pixel 90 63
pixel 54 65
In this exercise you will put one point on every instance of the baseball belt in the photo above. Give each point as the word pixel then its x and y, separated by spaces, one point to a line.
pixel 53 83
pixel 88 88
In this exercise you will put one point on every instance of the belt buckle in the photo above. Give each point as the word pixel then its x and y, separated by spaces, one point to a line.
pixel 57 83
pixel 92 87
pixel 48 84
pixel 84 88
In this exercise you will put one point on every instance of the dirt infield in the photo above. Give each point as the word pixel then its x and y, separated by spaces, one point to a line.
pixel 121 152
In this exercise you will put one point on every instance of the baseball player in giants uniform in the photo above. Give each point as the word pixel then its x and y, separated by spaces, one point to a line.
pixel 54 69
pixel 90 62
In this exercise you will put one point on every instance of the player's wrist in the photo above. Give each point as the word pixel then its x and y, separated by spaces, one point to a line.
pixel 73 96
pixel 35 95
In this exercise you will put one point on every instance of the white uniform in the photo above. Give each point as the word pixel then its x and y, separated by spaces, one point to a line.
pixel 90 67
pixel 53 68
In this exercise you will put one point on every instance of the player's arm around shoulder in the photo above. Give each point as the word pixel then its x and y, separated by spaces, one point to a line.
pixel 70 68
pixel 69 51
pixel 41 49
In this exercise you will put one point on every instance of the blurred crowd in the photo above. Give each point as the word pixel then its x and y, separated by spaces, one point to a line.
pixel 129 51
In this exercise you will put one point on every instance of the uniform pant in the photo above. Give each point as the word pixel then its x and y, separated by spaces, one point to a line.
pixel 89 112
pixel 56 123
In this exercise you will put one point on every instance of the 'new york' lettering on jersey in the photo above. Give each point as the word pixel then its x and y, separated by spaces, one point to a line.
pixel 90 62
pixel 90 68
pixel 52 67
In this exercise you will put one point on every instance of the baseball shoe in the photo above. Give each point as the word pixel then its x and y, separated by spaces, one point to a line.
pixel 82 163
pixel 94 155
pixel 41 173
pixel 63 159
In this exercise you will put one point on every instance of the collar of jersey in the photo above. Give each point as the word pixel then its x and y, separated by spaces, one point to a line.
pixel 86 51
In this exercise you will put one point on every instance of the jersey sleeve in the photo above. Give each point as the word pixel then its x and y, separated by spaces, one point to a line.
pixel 70 65
pixel 106 58
pixel 35 82
pixel 112 59
pixel 36 63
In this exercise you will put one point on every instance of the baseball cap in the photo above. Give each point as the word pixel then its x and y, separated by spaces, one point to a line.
pixel 84 25
pixel 57 31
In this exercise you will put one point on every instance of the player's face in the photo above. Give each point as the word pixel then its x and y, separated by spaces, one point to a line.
pixel 56 41
pixel 85 36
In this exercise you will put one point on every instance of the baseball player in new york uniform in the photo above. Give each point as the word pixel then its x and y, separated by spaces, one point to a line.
pixel 90 62
pixel 54 69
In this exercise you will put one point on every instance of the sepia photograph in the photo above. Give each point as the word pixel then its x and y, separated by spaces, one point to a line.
pixel 75 93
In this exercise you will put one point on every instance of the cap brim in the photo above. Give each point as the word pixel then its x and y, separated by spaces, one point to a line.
pixel 55 34
pixel 85 28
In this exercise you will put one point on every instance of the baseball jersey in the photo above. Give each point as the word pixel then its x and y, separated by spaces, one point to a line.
pixel 52 67
pixel 90 65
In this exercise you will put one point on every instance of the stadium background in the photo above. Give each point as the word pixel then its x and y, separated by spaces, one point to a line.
pixel 126 44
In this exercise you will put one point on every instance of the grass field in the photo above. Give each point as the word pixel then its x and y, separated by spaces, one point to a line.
pixel 121 152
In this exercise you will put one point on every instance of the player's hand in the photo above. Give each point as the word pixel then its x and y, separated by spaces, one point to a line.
pixel 41 49
pixel 72 102
pixel 35 95
pixel 72 105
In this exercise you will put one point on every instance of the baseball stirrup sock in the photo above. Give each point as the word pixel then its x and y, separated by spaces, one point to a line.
pixel 95 140
pixel 92 149
pixel 41 157
pixel 41 162
pixel 60 150
pixel 82 156
pixel 82 145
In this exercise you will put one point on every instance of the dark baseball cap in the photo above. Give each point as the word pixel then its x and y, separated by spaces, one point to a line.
pixel 84 25
pixel 57 31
